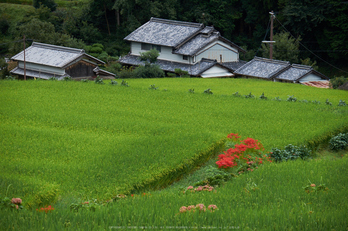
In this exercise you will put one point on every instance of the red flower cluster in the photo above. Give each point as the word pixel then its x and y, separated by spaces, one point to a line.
pixel 46 210
pixel 232 156
pixel 233 136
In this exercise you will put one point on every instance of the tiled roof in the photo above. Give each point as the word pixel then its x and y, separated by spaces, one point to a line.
pixel 164 32
pixel 319 84
pixel 194 70
pixel 187 37
pixel 207 30
pixel 262 68
pixel 234 65
pixel 51 55
pixel 295 72
pixel 98 71
pixel 196 44
pixel 36 74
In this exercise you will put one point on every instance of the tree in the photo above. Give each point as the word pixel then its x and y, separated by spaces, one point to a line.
pixel 48 3
pixel 285 48
pixel 150 69
pixel 149 57
pixel 43 32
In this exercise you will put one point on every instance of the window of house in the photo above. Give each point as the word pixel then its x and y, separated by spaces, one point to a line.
pixel 156 47
pixel 146 47
pixel 185 57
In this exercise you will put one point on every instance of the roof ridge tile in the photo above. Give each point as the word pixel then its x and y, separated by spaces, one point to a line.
pixel 175 22
pixel 55 47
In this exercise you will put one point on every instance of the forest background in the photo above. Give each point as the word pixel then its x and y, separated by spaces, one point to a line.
pixel 317 30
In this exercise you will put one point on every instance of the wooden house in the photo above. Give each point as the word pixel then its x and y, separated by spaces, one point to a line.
pixel 45 61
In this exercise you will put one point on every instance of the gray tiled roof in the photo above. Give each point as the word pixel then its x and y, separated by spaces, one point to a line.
pixel 207 30
pixel 262 68
pixel 98 71
pixel 51 55
pixel 234 65
pixel 295 72
pixel 194 70
pixel 164 32
pixel 36 74
pixel 196 44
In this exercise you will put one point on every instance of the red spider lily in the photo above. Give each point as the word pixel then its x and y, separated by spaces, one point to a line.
pixel 233 136
pixel 46 210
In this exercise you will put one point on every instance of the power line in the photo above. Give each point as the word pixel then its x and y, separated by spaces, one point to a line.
pixel 18 41
pixel 310 50
pixel 269 22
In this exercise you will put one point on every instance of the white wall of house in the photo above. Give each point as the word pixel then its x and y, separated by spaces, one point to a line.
pixel 41 68
pixel 219 49
pixel 216 71
pixel 165 54
pixel 311 77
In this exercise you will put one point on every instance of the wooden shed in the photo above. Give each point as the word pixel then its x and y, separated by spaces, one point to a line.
pixel 46 61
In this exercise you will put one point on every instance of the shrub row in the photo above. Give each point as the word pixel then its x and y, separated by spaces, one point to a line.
pixel 290 98
pixel 339 142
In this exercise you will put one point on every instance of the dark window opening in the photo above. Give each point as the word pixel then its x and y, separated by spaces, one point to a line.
pixel 156 47
pixel 146 47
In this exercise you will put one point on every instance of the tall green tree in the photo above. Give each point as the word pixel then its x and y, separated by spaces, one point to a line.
pixel 285 48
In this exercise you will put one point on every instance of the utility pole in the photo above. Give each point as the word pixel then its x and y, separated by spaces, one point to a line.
pixel 25 74
pixel 271 37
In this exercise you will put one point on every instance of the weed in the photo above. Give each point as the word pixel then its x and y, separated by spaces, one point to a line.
pixel 208 91
pixel 263 96
pixel 249 95
pixel 153 87
pixel 291 98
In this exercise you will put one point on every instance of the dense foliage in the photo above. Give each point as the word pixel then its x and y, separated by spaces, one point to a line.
pixel 321 24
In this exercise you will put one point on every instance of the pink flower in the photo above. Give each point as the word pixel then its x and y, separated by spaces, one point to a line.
pixel 201 207
pixel 199 188
pixel 251 169
pixel 189 187
pixel 16 206
pixel 16 201
pixel 183 209
pixel 212 208
pixel 190 207
pixel 312 185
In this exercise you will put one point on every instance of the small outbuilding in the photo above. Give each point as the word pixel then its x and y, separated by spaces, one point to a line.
pixel 283 71
pixel 45 61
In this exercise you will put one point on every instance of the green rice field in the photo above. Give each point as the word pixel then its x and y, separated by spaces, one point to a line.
pixel 64 142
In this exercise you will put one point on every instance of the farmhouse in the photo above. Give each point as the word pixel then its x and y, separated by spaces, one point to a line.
pixel 46 61
pixel 282 71
pixel 200 50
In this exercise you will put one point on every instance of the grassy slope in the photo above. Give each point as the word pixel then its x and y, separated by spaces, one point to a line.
pixel 91 140
pixel 279 202
pixel 228 86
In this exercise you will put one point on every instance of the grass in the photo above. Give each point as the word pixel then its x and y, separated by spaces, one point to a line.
pixel 65 142
pixel 228 86
pixel 271 198
pixel 55 131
